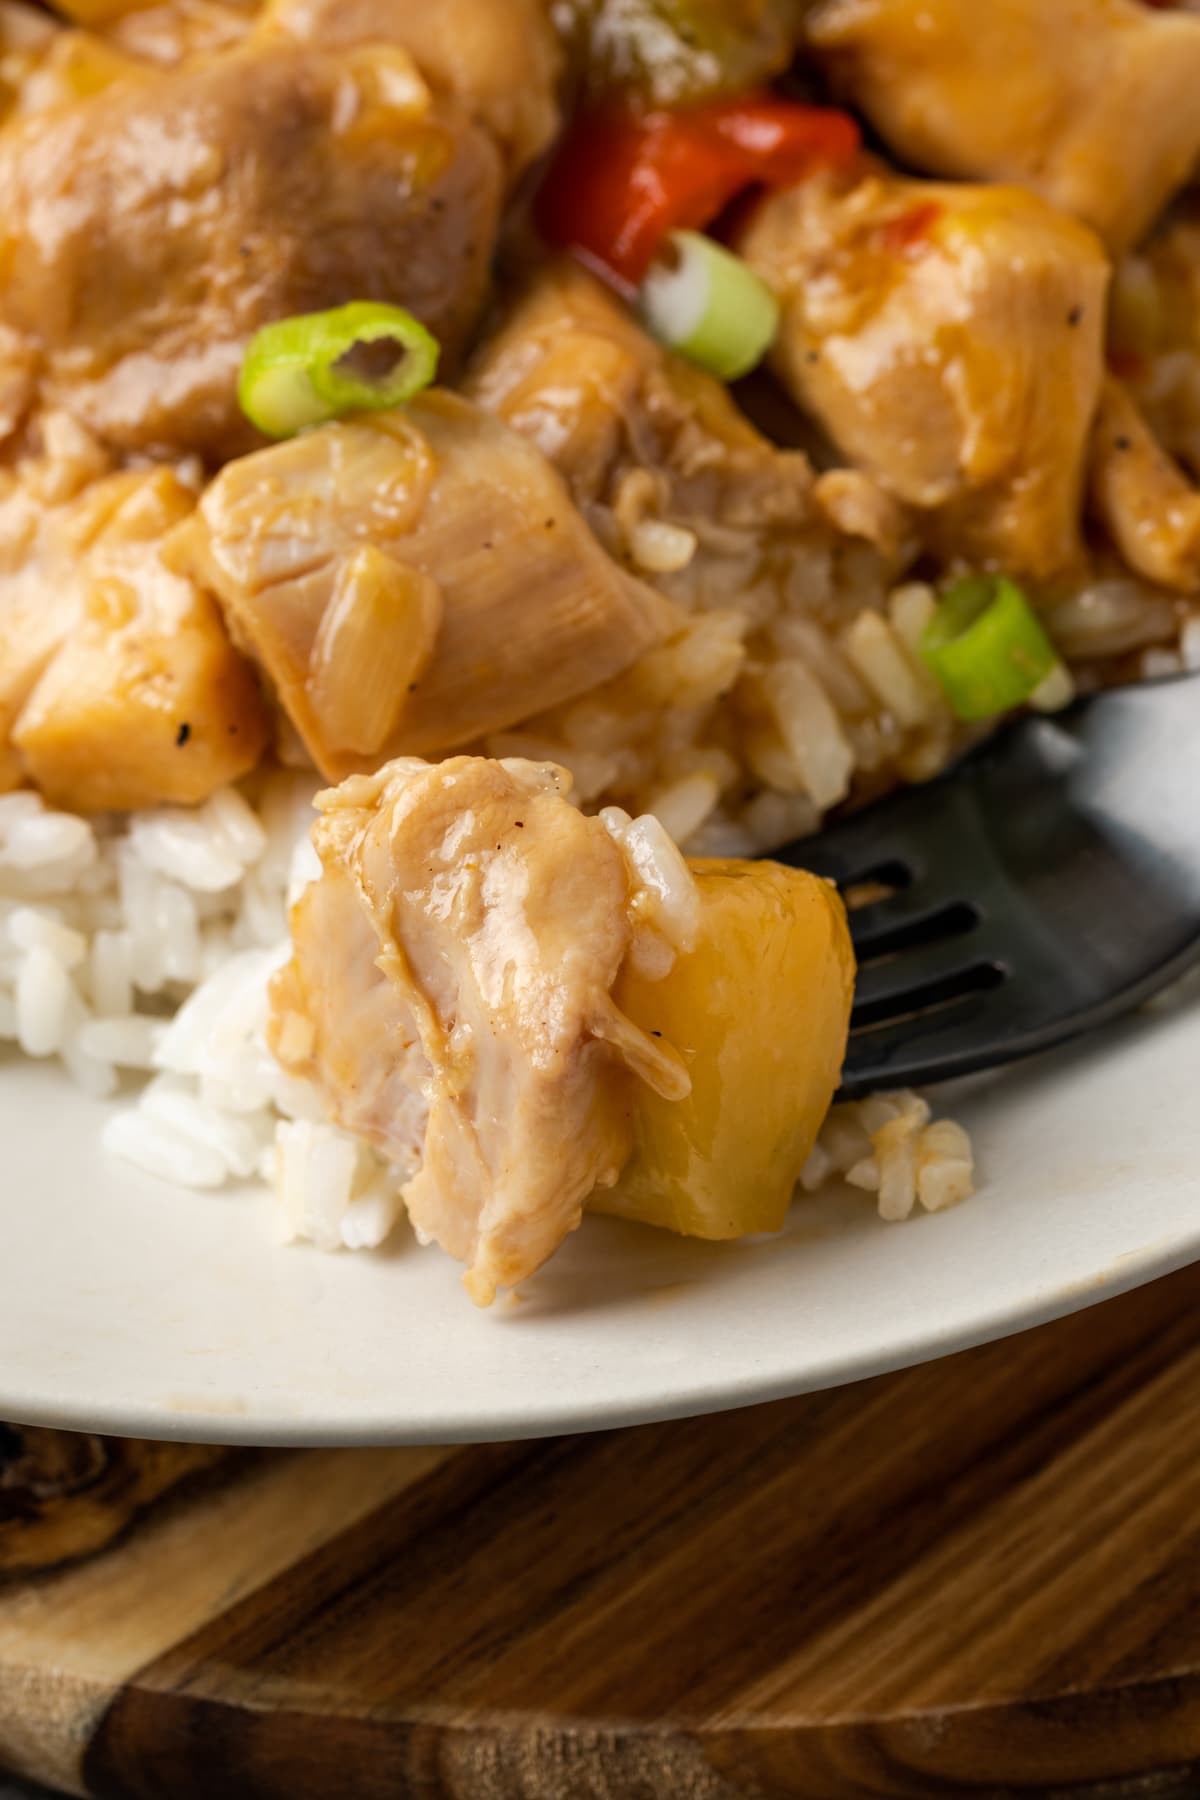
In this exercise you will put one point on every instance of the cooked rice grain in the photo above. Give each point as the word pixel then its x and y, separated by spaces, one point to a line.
pixel 887 1146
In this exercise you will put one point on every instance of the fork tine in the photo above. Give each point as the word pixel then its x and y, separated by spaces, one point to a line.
pixel 918 979
pixel 967 1035
pixel 908 920
pixel 1054 884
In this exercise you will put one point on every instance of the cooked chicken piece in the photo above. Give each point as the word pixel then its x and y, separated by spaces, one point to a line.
pixel 26 36
pixel 97 12
pixel 55 497
pixel 76 65
pixel 500 62
pixel 647 440
pixel 1090 102
pixel 1143 499
pixel 18 383
pixel 1154 329
pixel 37 608
pixel 450 989
pixel 43 64
pixel 949 339
pixel 165 31
pixel 785 568
pixel 411 580
pixel 149 230
pixel 118 684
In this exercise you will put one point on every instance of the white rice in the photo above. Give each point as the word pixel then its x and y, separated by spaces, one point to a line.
pixel 146 945
pixel 888 1146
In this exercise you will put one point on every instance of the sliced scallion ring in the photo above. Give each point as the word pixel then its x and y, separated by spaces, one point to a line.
pixel 308 369
pixel 986 646
pixel 703 301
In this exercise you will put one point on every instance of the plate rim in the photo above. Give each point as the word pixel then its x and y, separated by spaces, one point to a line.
pixel 198 1426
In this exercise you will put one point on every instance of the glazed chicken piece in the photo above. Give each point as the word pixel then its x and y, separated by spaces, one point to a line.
pixel 409 581
pixel 500 62
pixel 168 30
pixel 450 995
pixel 38 604
pixel 148 230
pixel 949 339
pixel 1154 329
pixel 1090 102
pixel 26 37
pixel 118 684
pixel 1145 502
pixel 645 438
pixel 798 671
pixel 44 64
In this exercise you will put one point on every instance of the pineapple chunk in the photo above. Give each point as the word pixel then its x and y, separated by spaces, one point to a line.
pixel 759 1010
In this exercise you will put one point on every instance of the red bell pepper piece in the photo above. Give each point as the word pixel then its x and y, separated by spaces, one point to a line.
pixel 621 181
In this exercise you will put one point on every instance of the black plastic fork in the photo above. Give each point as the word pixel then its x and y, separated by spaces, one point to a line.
pixel 1046 885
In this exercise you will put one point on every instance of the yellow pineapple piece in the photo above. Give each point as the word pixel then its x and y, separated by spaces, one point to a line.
pixel 759 1011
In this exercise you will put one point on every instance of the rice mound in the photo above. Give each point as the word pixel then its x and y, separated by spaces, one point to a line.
pixel 143 948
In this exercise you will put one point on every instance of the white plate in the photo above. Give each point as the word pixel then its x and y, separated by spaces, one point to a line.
pixel 128 1306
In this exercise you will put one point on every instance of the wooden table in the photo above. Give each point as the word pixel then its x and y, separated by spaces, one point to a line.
pixel 979 1577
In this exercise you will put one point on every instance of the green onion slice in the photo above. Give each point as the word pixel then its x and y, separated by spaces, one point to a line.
pixel 703 301
pixel 986 646
pixel 315 366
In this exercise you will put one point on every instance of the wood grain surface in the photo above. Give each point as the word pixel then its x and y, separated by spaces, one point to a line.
pixel 980 1577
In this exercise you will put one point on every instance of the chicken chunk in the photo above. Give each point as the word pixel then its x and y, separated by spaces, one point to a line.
pixel 106 14
pixel 1154 329
pixel 37 609
pixel 44 64
pixel 148 230
pixel 450 995
pixel 98 12
pixel 501 63
pixel 646 439
pixel 1090 102
pixel 1146 503
pixel 118 684
pixel 410 581
pixel 166 31
pixel 786 573
pixel 949 339
pixel 26 37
